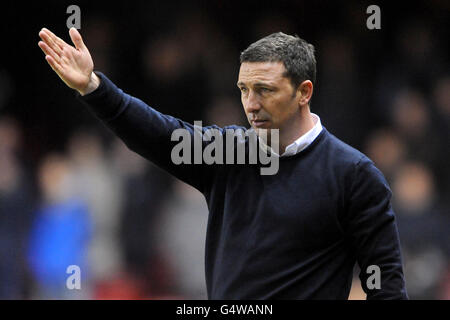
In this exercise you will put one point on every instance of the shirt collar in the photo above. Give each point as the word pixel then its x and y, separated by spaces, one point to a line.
pixel 302 142
pixel 305 140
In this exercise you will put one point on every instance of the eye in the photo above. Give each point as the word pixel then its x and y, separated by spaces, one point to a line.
pixel 243 89
pixel 265 90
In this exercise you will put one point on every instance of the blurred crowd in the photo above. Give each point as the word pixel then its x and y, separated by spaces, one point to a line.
pixel 73 194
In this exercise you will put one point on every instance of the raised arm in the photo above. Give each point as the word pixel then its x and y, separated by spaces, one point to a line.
pixel 143 129
pixel 73 65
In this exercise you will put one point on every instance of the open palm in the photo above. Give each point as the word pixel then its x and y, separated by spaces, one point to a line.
pixel 73 65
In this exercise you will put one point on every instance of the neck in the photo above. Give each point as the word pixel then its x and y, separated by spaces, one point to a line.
pixel 301 125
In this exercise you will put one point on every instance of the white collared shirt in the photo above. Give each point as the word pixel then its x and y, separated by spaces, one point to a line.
pixel 306 139
pixel 303 141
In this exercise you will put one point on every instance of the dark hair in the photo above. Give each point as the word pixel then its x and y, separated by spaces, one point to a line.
pixel 296 54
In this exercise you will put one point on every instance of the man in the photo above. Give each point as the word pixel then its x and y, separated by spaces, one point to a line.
pixel 296 234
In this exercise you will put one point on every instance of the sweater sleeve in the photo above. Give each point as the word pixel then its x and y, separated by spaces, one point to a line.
pixel 372 230
pixel 144 130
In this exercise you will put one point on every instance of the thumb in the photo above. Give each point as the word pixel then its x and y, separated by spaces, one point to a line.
pixel 76 39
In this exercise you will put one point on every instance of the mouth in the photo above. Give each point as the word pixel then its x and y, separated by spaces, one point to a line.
pixel 260 123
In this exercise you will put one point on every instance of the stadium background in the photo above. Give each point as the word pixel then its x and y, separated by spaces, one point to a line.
pixel 71 193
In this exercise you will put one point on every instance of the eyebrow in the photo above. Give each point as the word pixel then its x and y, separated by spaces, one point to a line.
pixel 257 84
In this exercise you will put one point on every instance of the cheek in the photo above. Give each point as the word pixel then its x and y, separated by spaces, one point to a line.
pixel 243 104
pixel 283 109
pixel 275 107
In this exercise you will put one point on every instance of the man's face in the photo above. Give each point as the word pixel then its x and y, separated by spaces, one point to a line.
pixel 268 98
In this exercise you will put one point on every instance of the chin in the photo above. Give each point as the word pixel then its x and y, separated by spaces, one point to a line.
pixel 267 131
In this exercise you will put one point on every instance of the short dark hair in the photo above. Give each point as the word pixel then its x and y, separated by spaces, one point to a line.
pixel 296 54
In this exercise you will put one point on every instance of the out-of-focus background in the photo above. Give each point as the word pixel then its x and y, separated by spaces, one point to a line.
pixel 72 194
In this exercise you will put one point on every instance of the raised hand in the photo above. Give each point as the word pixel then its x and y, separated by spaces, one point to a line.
pixel 73 65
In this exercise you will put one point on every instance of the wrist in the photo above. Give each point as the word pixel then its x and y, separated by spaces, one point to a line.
pixel 93 84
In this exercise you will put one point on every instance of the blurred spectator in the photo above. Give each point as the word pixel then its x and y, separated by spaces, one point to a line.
pixel 423 230
pixel 96 183
pixel 16 204
pixel 441 123
pixel 145 189
pixel 10 136
pixel 441 97
pixel 181 236
pixel 60 233
pixel 409 113
pixel 411 118
pixel 386 150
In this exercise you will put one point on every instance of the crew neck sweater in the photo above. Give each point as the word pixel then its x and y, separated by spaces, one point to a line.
pixel 296 234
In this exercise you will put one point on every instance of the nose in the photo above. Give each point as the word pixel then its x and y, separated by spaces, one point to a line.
pixel 252 103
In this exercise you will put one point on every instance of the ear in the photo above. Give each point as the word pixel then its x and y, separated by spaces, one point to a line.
pixel 304 92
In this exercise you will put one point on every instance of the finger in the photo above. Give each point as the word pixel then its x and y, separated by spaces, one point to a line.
pixel 49 51
pixel 76 38
pixel 49 41
pixel 61 43
pixel 55 65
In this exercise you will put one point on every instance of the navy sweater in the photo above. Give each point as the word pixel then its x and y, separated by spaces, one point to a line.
pixel 293 235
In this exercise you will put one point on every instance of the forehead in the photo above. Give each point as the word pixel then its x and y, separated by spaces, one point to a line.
pixel 270 72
